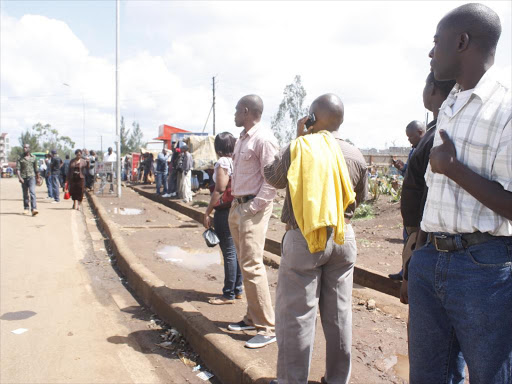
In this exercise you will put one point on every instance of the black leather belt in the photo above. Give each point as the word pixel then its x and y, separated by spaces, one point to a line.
pixel 244 199
pixel 448 243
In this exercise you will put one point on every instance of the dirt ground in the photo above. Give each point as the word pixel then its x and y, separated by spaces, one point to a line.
pixel 171 246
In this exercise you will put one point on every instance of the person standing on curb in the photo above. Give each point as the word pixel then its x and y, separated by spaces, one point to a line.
pixel 249 217
pixel 221 201
pixel 28 174
pixel 319 247
pixel 161 172
pixel 110 157
pixel 55 164
pixel 186 175
pixel 460 282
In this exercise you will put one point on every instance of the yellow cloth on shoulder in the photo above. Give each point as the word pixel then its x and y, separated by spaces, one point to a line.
pixel 320 188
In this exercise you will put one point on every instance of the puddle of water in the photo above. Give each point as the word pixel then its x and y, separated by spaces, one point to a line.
pixel 401 367
pixel 20 315
pixel 189 258
pixel 129 211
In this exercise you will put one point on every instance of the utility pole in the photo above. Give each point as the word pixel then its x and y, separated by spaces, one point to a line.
pixel 118 112
pixel 213 79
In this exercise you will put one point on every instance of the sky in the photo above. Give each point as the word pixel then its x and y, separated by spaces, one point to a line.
pixel 374 55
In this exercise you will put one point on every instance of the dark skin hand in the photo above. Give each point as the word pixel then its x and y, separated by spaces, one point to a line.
pixel 443 160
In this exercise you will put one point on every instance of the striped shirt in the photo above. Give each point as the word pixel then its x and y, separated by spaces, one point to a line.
pixel 482 133
pixel 276 175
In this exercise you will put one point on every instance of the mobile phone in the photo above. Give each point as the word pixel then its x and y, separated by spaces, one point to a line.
pixel 310 121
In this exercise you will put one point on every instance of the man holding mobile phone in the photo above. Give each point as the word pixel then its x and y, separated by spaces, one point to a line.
pixel 308 280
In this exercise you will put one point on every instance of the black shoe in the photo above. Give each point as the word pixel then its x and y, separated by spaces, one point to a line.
pixel 274 382
pixel 396 276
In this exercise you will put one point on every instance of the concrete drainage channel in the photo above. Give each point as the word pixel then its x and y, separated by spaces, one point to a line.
pixel 364 277
pixel 229 361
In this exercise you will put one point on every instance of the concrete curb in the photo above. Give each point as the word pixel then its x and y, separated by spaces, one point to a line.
pixel 228 360
pixel 365 277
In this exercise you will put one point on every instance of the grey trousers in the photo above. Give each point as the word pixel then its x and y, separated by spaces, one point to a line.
pixel 307 281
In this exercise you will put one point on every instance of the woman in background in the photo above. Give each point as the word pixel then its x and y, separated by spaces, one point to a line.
pixel 78 169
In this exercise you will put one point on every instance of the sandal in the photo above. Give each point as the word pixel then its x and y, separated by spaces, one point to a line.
pixel 221 300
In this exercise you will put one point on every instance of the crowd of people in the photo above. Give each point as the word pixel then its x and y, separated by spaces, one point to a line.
pixel 73 176
pixel 456 208
pixel 171 171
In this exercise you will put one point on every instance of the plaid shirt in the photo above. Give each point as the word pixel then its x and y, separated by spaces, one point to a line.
pixel 482 133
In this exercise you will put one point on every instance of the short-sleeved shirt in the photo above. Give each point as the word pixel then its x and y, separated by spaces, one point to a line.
pixel 223 162
pixel 277 171
pixel 27 166
pixel 481 131
pixel 55 165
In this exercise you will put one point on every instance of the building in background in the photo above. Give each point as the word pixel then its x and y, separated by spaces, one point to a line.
pixel 5 147
pixel 165 133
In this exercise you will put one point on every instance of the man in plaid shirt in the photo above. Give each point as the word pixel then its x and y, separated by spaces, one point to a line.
pixel 460 281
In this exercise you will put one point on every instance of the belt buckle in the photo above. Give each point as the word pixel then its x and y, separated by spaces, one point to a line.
pixel 435 243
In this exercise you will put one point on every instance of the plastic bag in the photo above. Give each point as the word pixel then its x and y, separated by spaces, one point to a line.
pixel 211 238
pixel 67 196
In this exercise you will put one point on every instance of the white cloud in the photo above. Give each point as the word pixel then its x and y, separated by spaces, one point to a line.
pixel 373 54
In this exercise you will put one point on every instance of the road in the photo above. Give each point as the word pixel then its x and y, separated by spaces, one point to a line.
pixel 82 325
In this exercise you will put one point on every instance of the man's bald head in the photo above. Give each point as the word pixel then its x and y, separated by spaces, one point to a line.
pixel 253 103
pixel 329 112
pixel 415 131
pixel 480 22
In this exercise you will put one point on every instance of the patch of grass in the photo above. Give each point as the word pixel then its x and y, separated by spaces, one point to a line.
pixel 199 203
pixel 364 212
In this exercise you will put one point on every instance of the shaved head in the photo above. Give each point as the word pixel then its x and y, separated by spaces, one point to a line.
pixel 329 112
pixel 480 22
pixel 253 103
pixel 415 131
pixel 415 125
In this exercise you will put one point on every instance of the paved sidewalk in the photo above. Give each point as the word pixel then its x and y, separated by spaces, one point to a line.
pixel 82 325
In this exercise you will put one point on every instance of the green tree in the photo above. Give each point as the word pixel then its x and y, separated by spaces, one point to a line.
pixel 125 138
pixel 291 109
pixel 49 139
pixel 135 140
pixel 43 138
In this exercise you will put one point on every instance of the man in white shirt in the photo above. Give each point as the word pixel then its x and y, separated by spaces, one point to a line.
pixel 460 282
pixel 110 157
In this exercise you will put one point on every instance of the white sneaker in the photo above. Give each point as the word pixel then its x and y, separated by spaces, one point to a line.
pixel 166 195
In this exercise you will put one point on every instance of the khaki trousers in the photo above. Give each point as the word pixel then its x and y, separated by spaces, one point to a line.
pixel 308 281
pixel 248 231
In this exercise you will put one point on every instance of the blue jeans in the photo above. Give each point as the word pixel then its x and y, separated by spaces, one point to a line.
pixel 173 182
pixel 161 178
pixel 49 185
pixel 29 186
pixel 232 272
pixel 461 302
pixel 55 183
